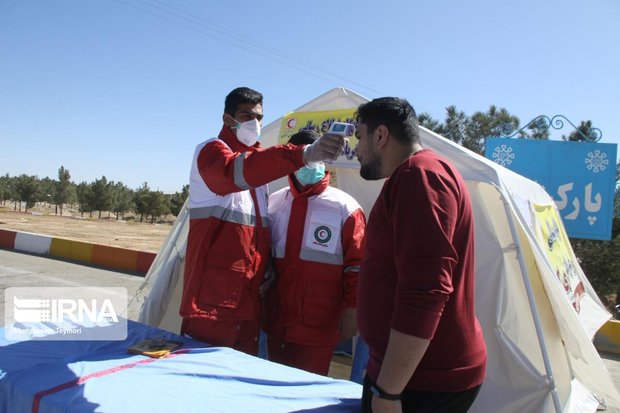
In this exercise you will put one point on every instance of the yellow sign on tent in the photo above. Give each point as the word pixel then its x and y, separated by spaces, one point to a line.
pixel 552 238
pixel 319 122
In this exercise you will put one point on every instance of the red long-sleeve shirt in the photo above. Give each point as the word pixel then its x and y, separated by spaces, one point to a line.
pixel 418 274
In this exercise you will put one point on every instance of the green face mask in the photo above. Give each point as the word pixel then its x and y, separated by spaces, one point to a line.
pixel 309 176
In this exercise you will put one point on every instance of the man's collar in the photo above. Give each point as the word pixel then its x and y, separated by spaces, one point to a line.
pixel 308 190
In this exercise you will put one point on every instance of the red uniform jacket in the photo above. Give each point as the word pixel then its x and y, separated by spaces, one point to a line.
pixel 317 242
pixel 228 241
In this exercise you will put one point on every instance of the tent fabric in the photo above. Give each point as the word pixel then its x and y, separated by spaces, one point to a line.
pixel 160 294
pixel 541 357
pixel 87 376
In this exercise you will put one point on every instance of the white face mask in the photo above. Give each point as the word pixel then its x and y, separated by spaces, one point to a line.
pixel 248 132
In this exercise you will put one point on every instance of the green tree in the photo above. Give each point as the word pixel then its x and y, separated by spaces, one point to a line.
pixel 101 192
pixel 481 125
pixel 156 204
pixel 122 199
pixel 13 194
pixel 583 133
pixel 425 120
pixel 47 189
pixel 6 191
pixel 140 200
pixel 455 125
pixel 178 199
pixel 84 198
pixel 537 130
pixel 64 189
pixel 27 190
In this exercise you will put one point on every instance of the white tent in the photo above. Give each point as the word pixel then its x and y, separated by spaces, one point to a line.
pixel 541 358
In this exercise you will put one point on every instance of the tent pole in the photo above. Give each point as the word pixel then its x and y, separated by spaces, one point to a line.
pixel 530 297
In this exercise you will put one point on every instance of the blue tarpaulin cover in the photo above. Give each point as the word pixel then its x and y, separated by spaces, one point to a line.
pixel 101 376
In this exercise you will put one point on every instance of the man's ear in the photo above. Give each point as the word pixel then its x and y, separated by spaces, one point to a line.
pixel 382 136
pixel 229 120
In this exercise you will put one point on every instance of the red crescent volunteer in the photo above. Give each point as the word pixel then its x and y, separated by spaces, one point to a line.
pixel 318 242
pixel 317 234
pixel 229 238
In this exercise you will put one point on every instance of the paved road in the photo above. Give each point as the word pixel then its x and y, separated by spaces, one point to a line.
pixel 22 270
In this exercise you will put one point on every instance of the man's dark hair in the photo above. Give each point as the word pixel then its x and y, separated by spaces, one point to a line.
pixel 395 113
pixel 304 137
pixel 239 96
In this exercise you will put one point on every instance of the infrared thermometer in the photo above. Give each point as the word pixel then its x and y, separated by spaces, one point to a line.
pixel 342 129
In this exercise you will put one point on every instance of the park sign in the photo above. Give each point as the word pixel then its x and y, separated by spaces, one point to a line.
pixel 580 176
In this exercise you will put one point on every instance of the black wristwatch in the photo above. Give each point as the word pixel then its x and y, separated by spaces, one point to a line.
pixel 380 393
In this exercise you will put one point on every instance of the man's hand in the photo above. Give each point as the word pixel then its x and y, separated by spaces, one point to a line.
pixel 270 277
pixel 348 324
pixel 327 148
pixel 386 406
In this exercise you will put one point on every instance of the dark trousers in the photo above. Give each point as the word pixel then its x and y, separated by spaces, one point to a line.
pixel 427 401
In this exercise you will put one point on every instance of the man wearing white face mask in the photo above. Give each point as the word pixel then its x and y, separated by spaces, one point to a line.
pixel 317 244
pixel 228 242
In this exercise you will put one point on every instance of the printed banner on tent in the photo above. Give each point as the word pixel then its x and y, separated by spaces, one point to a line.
pixel 580 176
pixel 319 122
pixel 553 240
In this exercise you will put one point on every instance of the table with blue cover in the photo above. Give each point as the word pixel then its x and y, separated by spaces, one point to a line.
pixel 102 376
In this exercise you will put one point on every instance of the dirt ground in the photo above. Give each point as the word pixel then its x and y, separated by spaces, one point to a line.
pixel 140 236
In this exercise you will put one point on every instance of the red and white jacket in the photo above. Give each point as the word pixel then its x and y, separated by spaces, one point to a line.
pixel 317 243
pixel 229 237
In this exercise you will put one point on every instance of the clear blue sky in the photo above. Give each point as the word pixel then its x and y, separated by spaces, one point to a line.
pixel 127 88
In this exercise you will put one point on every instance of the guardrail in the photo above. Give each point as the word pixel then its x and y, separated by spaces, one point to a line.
pixel 94 254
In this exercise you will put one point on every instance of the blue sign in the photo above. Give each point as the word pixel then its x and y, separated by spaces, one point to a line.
pixel 580 176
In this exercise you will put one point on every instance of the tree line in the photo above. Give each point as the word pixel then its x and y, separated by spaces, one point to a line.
pixel 89 197
pixel 471 131
pixel 600 260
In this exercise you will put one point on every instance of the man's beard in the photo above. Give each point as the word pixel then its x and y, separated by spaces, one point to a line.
pixel 371 171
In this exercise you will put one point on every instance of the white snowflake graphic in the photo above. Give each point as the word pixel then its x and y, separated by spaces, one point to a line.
pixel 503 155
pixel 596 161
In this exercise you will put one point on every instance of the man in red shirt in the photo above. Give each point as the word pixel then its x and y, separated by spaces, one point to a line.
pixel 416 285
pixel 228 241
